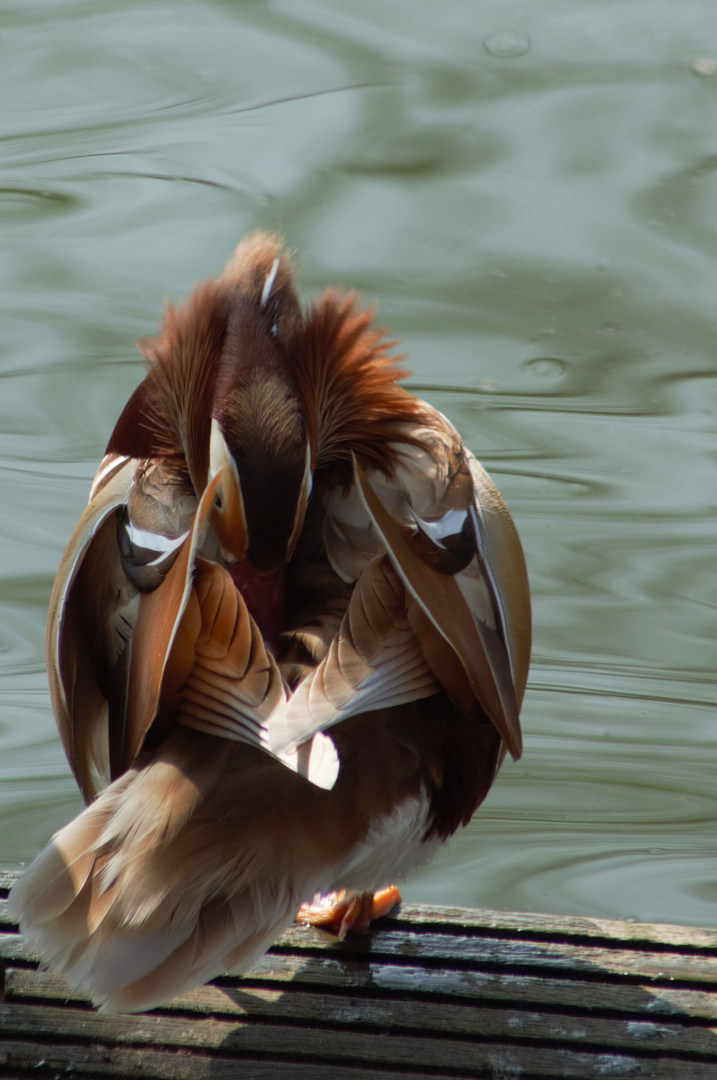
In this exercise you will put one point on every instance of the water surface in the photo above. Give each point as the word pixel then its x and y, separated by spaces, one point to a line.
pixel 529 194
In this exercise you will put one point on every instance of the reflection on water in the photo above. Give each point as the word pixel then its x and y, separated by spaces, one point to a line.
pixel 530 198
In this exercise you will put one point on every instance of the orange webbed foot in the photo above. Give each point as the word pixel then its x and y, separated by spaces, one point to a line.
pixel 348 912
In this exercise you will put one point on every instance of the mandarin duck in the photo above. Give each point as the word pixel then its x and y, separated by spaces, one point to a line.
pixel 287 645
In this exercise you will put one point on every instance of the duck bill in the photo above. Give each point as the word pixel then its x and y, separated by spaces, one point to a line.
pixel 227 515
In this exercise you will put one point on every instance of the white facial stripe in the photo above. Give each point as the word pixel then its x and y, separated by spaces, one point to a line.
pixel 220 456
pixel 155 541
pixel 217 449
pixel 269 282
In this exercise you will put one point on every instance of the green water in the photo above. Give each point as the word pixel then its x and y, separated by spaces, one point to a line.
pixel 529 194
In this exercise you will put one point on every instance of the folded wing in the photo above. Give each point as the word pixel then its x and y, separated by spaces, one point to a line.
pixel 128 546
pixel 441 600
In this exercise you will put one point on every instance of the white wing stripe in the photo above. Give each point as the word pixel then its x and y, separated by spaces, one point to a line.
pixel 109 463
pixel 155 541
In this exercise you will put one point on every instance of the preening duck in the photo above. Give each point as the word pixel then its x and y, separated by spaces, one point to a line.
pixel 287 644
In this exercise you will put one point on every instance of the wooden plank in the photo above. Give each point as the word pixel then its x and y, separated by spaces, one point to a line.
pixel 557 927
pixel 488 1062
pixel 526 925
pixel 379 977
pixel 412 1016
pixel 7 880
pixel 457 948
pixel 429 993
pixel 444 950
pixel 382 1015
pixel 309 1043
pixel 128 1063
pixel 282 974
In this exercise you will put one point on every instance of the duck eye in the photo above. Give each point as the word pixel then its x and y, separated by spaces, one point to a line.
pixel 218 502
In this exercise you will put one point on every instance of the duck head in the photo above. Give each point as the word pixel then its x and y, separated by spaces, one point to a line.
pixel 260 462
pixel 221 398
pixel 259 454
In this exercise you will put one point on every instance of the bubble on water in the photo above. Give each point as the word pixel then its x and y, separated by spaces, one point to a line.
pixel 507 44
pixel 546 367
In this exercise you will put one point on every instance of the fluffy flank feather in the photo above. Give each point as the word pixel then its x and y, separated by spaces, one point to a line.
pixel 348 380
pixel 207 951
pixel 134 904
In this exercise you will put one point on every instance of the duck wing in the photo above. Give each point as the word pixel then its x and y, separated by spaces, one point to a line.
pixel 123 550
pixel 221 679
pixel 441 600
pixel 144 632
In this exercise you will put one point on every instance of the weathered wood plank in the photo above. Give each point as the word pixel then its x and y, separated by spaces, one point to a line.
pixel 525 925
pixel 429 993
pixel 559 926
pixel 278 974
pixel 7 879
pixel 454 950
pixel 71 1060
pixel 237 1036
pixel 488 1062
pixel 272 1006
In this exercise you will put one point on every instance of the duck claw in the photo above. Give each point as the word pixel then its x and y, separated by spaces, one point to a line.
pixel 349 912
